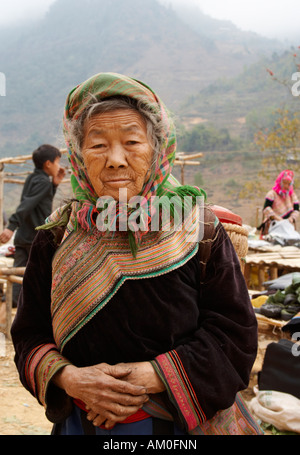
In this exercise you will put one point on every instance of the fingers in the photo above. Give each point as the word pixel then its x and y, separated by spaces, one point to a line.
pixel 131 400
pixel 108 397
pixel 116 402
pixel 6 235
pixel 100 421
pixel 143 374
pixel 109 424
pixel 118 373
pixel 109 419
pixel 131 389
pixel 91 415
pixel 96 419
pixel 114 410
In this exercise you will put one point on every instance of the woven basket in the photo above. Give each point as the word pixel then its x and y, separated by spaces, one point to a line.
pixel 236 232
pixel 239 238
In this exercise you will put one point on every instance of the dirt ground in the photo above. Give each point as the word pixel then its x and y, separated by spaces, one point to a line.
pixel 20 414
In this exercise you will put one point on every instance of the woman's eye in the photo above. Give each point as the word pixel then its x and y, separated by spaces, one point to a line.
pixel 98 146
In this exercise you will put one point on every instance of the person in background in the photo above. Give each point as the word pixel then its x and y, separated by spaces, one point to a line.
pixel 35 205
pixel 281 202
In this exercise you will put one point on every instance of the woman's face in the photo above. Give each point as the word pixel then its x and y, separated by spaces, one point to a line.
pixel 116 152
pixel 285 183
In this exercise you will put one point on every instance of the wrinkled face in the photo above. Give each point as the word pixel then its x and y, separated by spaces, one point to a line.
pixel 116 152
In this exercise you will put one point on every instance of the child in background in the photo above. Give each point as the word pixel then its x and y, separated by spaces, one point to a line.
pixel 35 205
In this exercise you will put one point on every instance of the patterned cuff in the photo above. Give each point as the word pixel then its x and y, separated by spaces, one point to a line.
pixel 42 363
pixel 180 390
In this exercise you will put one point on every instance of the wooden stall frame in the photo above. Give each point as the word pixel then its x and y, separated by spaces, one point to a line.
pixel 11 275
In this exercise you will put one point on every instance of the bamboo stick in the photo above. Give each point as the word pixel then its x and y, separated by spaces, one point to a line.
pixel 182 156
pixel 15 279
pixel 18 159
pixel 19 182
pixel 12 270
pixel 8 303
pixel 11 276
pixel 15 174
pixel 1 195
pixel 189 163
pixel 21 158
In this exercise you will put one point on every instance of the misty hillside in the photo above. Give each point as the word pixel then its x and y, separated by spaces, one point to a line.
pixel 246 102
pixel 223 33
pixel 78 38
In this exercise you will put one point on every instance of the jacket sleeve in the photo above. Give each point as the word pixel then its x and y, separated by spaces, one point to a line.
pixel 36 355
pixel 203 375
pixel 36 193
pixel 295 201
pixel 268 205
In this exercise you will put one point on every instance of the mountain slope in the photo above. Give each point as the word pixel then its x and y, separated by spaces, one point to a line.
pixel 248 101
pixel 78 38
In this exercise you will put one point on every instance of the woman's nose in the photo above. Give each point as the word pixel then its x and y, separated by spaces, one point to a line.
pixel 116 157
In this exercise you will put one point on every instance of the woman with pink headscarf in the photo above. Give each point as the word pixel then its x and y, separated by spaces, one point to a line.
pixel 281 201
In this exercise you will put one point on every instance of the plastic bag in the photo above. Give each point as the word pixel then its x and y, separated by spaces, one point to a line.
pixel 283 232
pixel 280 409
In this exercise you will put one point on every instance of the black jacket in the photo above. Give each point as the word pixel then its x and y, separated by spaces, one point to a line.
pixel 35 206
pixel 211 325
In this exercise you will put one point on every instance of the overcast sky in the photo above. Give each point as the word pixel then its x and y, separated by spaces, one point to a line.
pixel 272 18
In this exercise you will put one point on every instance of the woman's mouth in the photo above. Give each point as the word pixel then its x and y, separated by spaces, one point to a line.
pixel 117 181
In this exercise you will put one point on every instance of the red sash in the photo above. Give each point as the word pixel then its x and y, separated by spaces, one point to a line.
pixel 139 415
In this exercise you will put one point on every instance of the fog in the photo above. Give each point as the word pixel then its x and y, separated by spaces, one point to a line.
pixel 271 18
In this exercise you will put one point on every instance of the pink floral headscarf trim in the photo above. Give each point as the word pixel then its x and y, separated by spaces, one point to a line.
pixel 284 175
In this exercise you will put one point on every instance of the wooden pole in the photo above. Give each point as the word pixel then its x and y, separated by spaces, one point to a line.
pixel 12 276
pixel 21 159
pixel 182 173
pixel 182 156
pixel 18 182
pixel 8 302
pixel 1 195
pixel 189 163
pixel 258 221
pixel 12 271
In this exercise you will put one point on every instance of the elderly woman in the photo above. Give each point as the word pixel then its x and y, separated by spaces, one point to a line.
pixel 281 202
pixel 132 330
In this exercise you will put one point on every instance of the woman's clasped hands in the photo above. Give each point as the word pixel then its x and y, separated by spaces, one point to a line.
pixel 111 393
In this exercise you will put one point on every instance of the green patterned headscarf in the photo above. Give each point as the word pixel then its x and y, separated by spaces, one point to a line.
pixel 161 183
